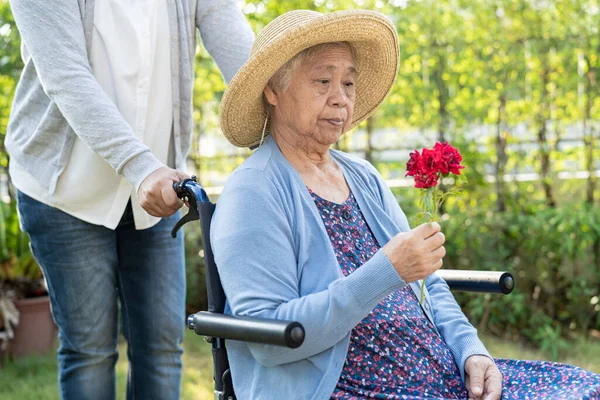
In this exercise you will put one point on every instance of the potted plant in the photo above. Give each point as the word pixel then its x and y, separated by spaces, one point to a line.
pixel 9 317
pixel 26 324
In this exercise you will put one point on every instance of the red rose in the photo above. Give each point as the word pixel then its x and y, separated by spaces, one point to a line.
pixel 450 158
pixel 424 181
pixel 412 166
pixel 427 167
pixel 429 162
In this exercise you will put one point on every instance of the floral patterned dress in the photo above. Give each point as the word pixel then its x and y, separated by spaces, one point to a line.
pixel 396 353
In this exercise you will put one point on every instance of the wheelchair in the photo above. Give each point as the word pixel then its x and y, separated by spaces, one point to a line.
pixel 217 327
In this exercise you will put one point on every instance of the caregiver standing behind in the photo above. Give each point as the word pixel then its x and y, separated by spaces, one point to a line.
pixel 99 130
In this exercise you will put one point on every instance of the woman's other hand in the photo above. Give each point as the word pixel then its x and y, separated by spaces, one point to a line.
pixel 482 378
pixel 156 194
pixel 418 253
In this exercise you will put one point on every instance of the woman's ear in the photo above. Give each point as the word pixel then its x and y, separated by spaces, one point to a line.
pixel 271 96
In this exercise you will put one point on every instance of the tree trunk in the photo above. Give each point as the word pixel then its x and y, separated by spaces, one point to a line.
pixel 544 148
pixel 442 95
pixel 589 144
pixel 588 135
pixel 500 157
pixel 442 110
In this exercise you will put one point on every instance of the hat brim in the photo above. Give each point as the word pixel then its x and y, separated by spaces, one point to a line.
pixel 375 44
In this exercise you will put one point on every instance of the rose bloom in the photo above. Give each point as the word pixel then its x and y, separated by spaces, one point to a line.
pixel 450 158
pixel 430 162
pixel 424 181
pixel 427 167
pixel 412 166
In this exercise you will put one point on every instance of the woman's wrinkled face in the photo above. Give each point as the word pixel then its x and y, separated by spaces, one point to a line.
pixel 319 101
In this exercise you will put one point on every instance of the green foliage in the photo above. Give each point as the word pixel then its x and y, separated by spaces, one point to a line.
pixel 196 298
pixel 20 276
pixel 552 253
pixel 10 56
pixel 512 67
pixel 35 377
pixel 16 260
pixel 10 69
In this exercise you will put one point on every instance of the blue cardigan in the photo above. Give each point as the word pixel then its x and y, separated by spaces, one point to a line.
pixel 276 261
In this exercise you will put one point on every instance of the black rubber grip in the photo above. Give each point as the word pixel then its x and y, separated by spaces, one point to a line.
pixel 247 329
pixel 478 281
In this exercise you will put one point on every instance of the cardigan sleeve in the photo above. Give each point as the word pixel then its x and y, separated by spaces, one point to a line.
pixel 460 336
pixel 253 244
pixel 225 33
pixel 53 35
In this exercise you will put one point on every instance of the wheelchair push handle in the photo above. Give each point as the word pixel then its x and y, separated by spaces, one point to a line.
pixel 247 329
pixel 189 190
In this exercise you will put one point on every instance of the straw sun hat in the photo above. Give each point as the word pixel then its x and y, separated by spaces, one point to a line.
pixel 372 36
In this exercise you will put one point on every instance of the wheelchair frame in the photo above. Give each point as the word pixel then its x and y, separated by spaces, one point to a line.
pixel 217 327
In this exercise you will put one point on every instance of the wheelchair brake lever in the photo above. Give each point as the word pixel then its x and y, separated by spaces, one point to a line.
pixel 192 215
pixel 188 190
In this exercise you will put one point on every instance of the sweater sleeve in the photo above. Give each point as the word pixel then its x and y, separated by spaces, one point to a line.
pixel 253 244
pixel 460 336
pixel 53 34
pixel 225 33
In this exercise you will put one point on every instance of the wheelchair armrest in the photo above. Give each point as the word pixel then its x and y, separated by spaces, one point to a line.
pixel 247 329
pixel 478 281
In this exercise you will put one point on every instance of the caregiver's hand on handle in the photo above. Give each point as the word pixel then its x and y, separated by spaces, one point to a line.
pixel 156 192
pixel 418 253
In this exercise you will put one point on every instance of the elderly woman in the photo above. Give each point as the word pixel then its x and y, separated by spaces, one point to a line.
pixel 302 232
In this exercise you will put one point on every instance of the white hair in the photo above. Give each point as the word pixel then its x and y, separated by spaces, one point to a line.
pixel 280 81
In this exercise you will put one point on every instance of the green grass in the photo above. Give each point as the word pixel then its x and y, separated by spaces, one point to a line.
pixel 581 353
pixel 35 377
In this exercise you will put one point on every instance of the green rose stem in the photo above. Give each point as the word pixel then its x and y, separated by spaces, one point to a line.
pixel 431 199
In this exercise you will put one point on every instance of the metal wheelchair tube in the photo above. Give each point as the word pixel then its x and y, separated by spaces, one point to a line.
pixel 247 329
pixel 478 281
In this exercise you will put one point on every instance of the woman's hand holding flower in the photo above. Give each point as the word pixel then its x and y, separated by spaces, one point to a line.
pixel 418 253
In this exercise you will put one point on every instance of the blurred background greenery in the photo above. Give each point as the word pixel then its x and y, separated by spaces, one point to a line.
pixel 514 85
